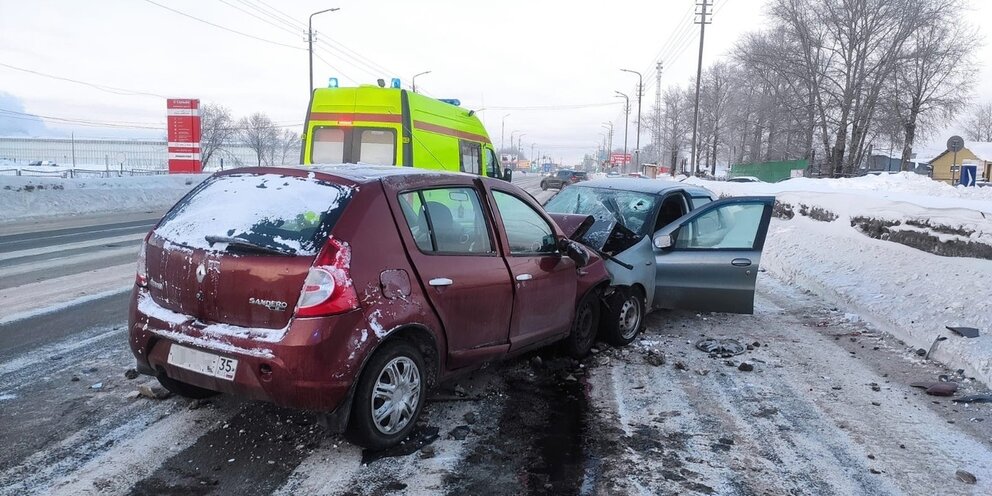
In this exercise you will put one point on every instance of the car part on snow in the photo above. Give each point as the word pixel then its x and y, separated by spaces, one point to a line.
pixel 968 332
pixel 974 398
pixel 933 347
pixel 720 348
pixel 937 388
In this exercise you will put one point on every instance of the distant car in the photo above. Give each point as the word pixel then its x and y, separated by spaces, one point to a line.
pixel 563 178
pixel 744 179
pixel 354 289
pixel 668 245
pixel 612 173
pixel 42 163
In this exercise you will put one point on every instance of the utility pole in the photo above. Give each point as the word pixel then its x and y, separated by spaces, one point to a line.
pixel 702 21
pixel 310 42
pixel 657 111
pixel 609 148
pixel 626 121
pixel 640 94
pixel 72 137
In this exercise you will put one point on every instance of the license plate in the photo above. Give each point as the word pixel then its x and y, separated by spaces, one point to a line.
pixel 203 362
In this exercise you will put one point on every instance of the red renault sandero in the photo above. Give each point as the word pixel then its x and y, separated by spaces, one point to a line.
pixel 351 290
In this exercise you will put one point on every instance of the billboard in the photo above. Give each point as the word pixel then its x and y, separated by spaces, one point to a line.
pixel 183 123
pixel 619 159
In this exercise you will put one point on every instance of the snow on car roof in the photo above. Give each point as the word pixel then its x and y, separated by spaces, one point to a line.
pixel 653 187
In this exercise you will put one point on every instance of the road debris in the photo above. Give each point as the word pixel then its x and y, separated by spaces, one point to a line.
pixel 97 386
pixel 968 332
pixel 720 348
pixel 131 374
pixel 974 398
pixel 459 433
pixel 153 392
pixel 966 477
pixel 745 367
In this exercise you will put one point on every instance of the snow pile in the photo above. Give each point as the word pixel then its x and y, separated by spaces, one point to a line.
pixel 26 198
pixel 907 292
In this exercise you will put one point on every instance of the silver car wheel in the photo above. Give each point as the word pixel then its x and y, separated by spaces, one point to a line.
pixel 396 395
pixel 630 317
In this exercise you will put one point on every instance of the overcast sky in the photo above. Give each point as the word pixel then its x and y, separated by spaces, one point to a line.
pixel 552 65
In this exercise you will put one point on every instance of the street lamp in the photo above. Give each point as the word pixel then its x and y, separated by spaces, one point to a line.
pixel 626 121
pixel 511 139
pixel 502 133
pixel 520 142
pixel 310 41
pixel 414 79
pixel 640 93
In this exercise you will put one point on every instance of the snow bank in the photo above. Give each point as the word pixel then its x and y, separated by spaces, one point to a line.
pixel 909 293
pixel 26 198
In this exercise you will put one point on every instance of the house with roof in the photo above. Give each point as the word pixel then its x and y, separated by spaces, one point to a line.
pixel 973 153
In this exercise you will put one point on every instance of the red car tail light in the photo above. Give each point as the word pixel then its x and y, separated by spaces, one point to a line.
pixel 141 276
pixel 327 289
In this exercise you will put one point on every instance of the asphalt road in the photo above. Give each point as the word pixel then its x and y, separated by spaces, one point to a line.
pixel 827 409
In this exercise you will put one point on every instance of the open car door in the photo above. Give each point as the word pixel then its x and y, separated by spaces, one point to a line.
pixel 707 260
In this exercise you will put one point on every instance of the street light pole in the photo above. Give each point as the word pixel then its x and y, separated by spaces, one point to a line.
pixel 640 93
pixel 310 41
pixel 502 134
pixel 413 82
pixel 520 142
pixel 626 121
pixel 609 149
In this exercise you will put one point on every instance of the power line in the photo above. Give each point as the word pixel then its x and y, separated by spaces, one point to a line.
pixel 225 2
pixel 101 87
pixel 225 28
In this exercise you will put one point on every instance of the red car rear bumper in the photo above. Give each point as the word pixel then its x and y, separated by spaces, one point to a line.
pixel 311 367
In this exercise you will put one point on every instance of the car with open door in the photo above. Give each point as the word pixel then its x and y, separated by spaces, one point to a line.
pixel 352 290
pixel 668 245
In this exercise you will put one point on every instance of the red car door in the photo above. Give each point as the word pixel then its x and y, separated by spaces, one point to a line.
pixel 544 280
pixel 454 253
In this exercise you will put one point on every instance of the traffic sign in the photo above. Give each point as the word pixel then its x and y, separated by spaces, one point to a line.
pixel 955 144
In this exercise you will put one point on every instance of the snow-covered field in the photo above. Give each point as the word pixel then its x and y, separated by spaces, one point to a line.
pixel 907 292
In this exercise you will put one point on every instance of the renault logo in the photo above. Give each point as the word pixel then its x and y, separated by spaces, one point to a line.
pixel 201 272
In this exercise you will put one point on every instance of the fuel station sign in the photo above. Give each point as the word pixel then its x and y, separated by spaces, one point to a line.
pixel 183 122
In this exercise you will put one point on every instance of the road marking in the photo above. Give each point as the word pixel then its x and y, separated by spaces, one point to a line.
pixel 81 233
pixel 55 263
pixel 71 246
pixel 38 298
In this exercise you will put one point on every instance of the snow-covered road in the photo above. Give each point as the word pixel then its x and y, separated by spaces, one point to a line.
pixel 827 409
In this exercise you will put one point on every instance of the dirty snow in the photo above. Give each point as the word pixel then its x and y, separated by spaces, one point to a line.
pixel 25 198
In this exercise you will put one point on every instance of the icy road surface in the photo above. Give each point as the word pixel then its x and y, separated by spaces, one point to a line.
pixel 827 409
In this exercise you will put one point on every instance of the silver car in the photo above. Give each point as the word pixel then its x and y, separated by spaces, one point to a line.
pixel 668 245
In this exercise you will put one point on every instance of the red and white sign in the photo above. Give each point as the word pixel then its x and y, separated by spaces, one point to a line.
pixel 619 158
pixel 183 121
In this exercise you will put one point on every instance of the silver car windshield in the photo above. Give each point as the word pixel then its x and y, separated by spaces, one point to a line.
pixel 606 205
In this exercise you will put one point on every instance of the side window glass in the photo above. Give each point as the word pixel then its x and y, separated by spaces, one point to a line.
pixel 328 146
pixel 471 157
pixel 377 146
pixel 492 165
pixel 732 226
pixel 526 231
pixel 447 220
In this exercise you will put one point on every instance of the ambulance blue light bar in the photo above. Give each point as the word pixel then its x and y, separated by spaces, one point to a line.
pixel 452 101
pixel 332 82
pixel 395 83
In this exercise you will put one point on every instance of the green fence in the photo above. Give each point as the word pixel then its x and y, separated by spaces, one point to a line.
pixel 770 172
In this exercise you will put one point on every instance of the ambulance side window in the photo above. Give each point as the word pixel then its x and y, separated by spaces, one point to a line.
pixel 471 155
pixel 492 164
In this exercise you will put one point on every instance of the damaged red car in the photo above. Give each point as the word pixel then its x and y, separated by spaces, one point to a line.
pixel 352 290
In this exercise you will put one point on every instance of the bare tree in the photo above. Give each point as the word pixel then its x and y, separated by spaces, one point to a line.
pixel 289 146
pixel 216 130
pixel 978 124
pixel 675 125
pixel 259 133
pixel 935 78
